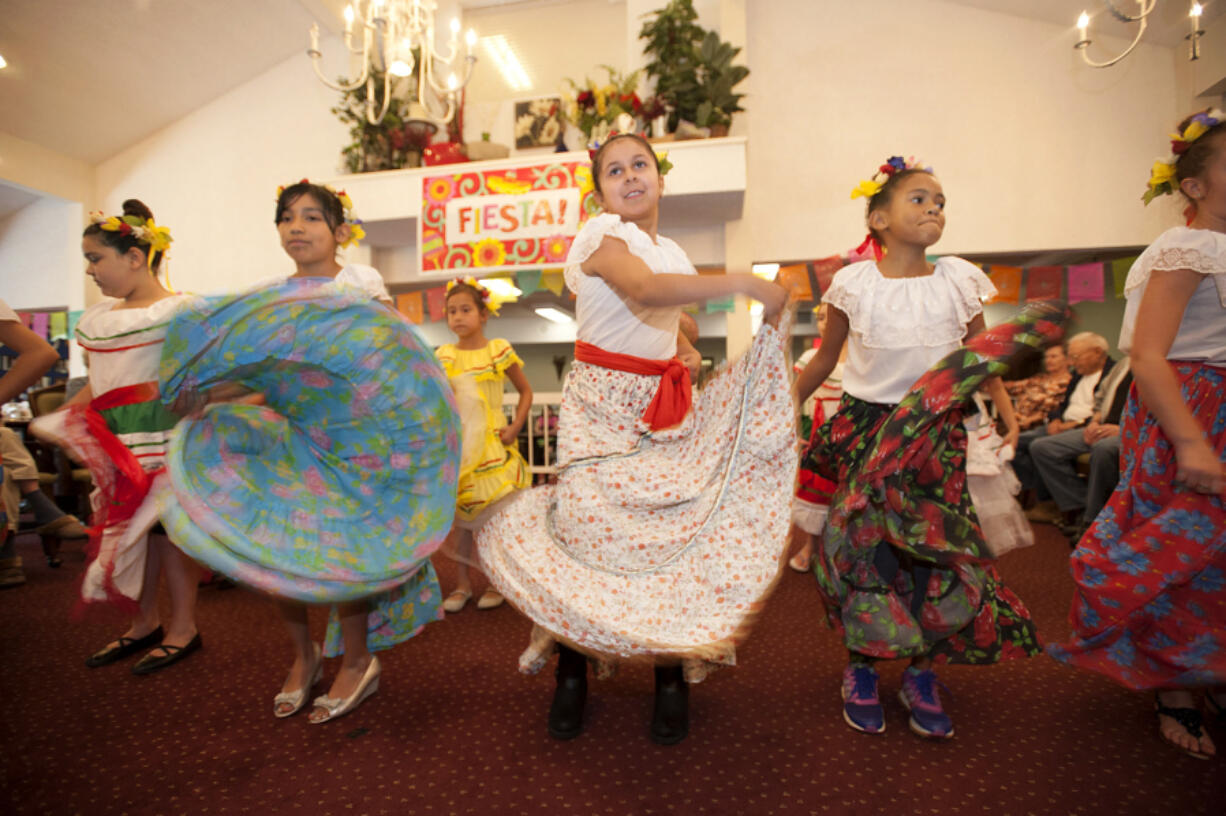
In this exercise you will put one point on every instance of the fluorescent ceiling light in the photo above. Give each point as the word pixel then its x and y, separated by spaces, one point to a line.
pixel 556 315
pixel 501 287
pixel 766 270
pixel 503 57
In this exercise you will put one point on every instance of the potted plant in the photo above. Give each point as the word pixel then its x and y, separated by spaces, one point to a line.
pixel 397 140
pixel 692 67
pixel 594 108
pixel 672 37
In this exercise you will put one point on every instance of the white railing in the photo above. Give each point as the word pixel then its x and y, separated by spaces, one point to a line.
pixel 541 424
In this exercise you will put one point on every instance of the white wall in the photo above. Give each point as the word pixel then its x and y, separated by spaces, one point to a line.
pixel 1034 150
pixel 40 255
pixel 212 176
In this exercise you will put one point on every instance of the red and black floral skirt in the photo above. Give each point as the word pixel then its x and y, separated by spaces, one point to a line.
pixel 903 569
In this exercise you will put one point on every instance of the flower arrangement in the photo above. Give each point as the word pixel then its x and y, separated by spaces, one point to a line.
pixel 396 141
pixel 1162 174
pixel 143 230
pixel 595 108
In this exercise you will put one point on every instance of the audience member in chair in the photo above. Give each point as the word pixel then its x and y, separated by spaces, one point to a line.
pixel 1088 354
pixel 21 484
pixel 1055 456
pixel 1036 397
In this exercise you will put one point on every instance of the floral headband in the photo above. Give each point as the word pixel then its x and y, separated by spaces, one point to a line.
pixel 895 164
pixel 1162 175
pixel 143 230
pixel 870 187
pixel 356 232
pixel 487 297
pixel 661 156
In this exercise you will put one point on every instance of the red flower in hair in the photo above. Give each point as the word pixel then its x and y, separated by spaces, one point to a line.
pixel 1179 147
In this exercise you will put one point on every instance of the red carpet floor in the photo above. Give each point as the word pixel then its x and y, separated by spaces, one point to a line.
pixel 454 728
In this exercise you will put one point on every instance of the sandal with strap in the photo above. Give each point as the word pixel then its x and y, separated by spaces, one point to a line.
pixel 1189 720
pixel 297 699
pixel 1217 709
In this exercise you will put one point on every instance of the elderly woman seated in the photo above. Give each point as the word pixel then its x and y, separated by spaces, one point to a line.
pixel 1036 397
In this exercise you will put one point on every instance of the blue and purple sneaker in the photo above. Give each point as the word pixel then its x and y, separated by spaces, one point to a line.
pixel 861 706
pixel 919 695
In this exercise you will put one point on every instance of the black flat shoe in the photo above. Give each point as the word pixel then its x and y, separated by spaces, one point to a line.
pixel 170 654
pixel 566 711
pixel 670 718
pixel 126 646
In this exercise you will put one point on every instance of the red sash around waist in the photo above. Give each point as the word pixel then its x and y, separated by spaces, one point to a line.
pixel 674 395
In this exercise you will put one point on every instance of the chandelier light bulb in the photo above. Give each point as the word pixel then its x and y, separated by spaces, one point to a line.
pixel 1197 10
pixel 348 15
pixel 470 38
pixel 452 82
pixel 1083 22
pixel 3 62
pixel 455 25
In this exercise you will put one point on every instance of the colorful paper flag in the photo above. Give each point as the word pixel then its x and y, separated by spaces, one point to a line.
pixel 436 302
pixel 1008 283
pixel 824 270
pixel 795 278
pixel 410 305
pixel 552 280
pixel 1119 272
pixel 1085 282
pixel 59 325
pixel 73 318
pixel 727 304
pixel 528 281
pixel 38 324
pixel 1044 283
pixel 26 318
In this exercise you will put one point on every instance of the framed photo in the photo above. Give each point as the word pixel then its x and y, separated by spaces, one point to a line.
pixel 538 122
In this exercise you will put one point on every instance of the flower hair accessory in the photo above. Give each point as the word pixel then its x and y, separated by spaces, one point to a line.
pixel 142 229
pixel 356 232
pixel 487 297
pixel 895 164
pixel 661 156
pixel 1162 174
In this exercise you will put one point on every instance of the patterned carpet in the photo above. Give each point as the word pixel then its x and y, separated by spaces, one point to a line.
pixel 454 728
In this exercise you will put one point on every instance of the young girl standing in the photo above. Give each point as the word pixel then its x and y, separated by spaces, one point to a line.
pixel 1150 609
pixel 895 590
pixel 491 467
pixel 119 428
pixel 814 491
pixel 667 525
pixel 339 488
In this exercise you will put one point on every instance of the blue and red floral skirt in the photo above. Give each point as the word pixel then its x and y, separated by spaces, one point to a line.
pixel 903 569
pixel 1150 608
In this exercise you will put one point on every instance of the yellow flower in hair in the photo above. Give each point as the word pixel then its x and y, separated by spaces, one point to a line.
pixel 1194 130
pixel 1161 173
pixel 346 201
pixel 356 234
pixel 867 188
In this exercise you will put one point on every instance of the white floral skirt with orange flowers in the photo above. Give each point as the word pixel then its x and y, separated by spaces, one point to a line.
pixel 658 544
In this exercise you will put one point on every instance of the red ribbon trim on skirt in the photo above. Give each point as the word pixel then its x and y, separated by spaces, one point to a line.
pixel 674 395
pixel 132 481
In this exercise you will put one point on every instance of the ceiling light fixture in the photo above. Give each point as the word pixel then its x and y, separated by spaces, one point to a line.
pixel 765 270
pixel 503 56
pixel 395 38
pixel 556 315
pixel 1144 9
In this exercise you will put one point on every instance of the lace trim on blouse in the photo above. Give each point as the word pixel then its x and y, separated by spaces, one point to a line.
pixel 1201 251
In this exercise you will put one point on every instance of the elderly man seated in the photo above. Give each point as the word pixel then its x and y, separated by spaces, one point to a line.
pixel 1087 352
pixel 1055 456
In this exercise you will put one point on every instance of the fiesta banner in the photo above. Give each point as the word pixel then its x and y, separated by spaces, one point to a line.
pixel 507 219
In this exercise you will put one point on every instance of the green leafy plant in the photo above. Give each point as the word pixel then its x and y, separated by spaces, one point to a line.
pixel 394 142
pixel 691 66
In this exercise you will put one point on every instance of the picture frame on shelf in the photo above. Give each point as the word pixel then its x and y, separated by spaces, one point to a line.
pixel 538 122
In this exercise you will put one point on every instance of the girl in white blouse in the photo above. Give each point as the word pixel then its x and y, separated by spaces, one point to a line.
pixel 900 315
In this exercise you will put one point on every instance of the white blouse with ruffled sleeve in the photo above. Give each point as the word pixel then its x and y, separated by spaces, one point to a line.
pixel 1202 332
pixel 606 317
pixel 898 328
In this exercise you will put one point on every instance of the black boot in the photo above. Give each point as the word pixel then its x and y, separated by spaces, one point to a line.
pixel 566 712
pixel 670 719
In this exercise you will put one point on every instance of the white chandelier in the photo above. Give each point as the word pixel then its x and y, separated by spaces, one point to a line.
pixel 394 36
pixel 1144 8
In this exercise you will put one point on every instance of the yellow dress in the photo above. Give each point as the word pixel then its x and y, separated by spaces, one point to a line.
pixel 489 470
